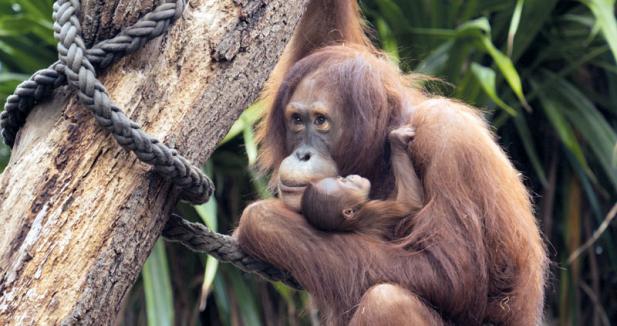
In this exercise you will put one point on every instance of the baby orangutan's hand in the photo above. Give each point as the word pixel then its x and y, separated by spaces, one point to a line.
pixel 401 137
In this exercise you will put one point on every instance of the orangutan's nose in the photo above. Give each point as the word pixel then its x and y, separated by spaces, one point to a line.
pixel 304 154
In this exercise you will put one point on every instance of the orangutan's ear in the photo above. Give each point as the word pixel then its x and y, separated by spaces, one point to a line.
pixel 349 213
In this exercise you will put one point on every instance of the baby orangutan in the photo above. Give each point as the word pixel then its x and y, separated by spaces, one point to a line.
pixel 342 204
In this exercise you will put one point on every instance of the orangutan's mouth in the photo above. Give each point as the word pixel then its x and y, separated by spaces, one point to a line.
pixel 291 189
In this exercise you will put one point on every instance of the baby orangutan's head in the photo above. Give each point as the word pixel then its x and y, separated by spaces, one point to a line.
pixel 331 203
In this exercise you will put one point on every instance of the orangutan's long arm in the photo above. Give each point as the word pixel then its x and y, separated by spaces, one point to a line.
pixel 475 197
pixel 408 187
pixel 325 22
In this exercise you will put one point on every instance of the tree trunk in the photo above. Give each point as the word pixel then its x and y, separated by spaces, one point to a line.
pixel 79 215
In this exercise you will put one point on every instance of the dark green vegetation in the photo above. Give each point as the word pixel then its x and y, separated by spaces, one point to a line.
pixel 543 70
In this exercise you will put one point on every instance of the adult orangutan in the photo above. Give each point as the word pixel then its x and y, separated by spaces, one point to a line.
pixel 472 254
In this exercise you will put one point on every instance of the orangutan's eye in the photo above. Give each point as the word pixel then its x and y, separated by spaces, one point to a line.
pixel 320 120
pixel 322 123
pixel 296 119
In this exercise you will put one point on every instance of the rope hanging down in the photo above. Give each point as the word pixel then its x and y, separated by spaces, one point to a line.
pixel 76 68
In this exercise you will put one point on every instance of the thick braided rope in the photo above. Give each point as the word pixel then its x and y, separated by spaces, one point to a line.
pixel 199 238
pixel 76 66
pixel 40 85
pixel 80 73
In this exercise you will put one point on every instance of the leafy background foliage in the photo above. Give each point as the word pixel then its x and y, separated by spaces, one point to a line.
pixel 544 73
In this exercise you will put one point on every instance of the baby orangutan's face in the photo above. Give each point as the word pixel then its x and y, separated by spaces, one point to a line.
pixel 352 186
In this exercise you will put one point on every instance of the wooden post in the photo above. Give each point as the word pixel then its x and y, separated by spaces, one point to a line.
pixel 78 214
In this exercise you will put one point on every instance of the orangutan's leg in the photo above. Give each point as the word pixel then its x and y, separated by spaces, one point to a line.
pixel 392 305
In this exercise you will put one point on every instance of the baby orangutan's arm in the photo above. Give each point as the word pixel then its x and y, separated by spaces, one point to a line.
pixel 408 189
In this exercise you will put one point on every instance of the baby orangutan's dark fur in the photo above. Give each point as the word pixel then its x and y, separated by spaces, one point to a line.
pixel 471 255
pixel 375 217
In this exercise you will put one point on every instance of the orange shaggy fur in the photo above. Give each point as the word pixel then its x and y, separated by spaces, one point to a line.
pixel 473 254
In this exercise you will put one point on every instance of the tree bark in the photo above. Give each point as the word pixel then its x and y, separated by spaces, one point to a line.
pixel 79 215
